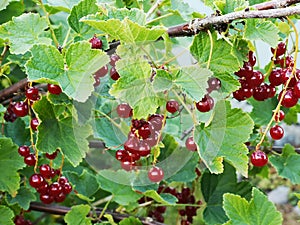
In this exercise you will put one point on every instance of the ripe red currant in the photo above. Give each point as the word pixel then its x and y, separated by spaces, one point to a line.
pixel 279 116
pixel 30 160
pixel 276 132
pixel 113 59
pixel 54 89
pixel 124 110
pixel 155 174
pixel 34 123
pixel 32 93
pixel 206 104
pixel 172 106
pixel 96 42
pixel 190 144
pixel 114 74
pixel 36 180
pixel 259 158
pixel 24 151
pixel 102 71
pixel 21 109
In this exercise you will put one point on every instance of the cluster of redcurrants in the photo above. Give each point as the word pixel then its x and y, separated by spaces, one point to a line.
pixel 21 109
pixel 20 220
pixel 184 197
pixel 97 44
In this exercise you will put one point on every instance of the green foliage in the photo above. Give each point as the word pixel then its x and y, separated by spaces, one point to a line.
pixel 10 163
pixel 130 221
pixel 32 28
pixel 214 187
pixel 23 198
pixel 77 215
pixel 220 141
pixel 66 134
pixel 287 164
pixel 258 211
pixel 6 215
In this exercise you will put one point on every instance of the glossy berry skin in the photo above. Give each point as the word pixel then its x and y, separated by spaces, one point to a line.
pixel 62 180
pixel 113 60
pixel 279 116
pixel 36 180
pixel 259 158
pixel 96 42
pixel 276 132
pixel 21 109
pixel 24 151
pixel 30 160
pixel 55 189
pixel 51 156
pixel 289 100
pixel 252 58
pixel 32 93
pixel 46 198
pixel 54 89
pixel 114 75
pixel 280 50
pixel 67 188
pixel 46 171
pixel 172 106
pixel 145 130
pixel 121 154
pixel 206 104
pixel 296 89
pixel 156 174
pixel 102 71
pixel 128 165
pixel 190 144
pixel 124 110
pixel 34 123
pixel 214 84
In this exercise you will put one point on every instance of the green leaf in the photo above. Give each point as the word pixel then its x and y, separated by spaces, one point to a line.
pixel 258 29
pixel 161 198
pixel 288 164
pixel 108 131
pixel 193 81
pixel 130 221
pixel 17 132
pixel 25 31
pixel 80 182
pixel 5 3
pixel 136 15
pixel 262 111
pixel 77 215
pixel 214 186
pixel 126 31
pixel 75 78
pixel 291 117
pixel 220 140
pixel 118 183
pixel 232 6
pixel 65 134
pixel 259 211
pixel 6 215
pixel 135 78
pixel 10 163
pixel 222 61
pixel 83 8
pixel 163 81
pixel 62 5
pixel 23 198
pixel 182 8
pixel 240 50
pixel 15 8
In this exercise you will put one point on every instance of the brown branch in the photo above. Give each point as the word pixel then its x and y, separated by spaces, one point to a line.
pixel 272 9
pixel 62 210
pixel 10 91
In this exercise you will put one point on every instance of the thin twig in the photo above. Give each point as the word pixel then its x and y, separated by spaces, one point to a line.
pixel 153 8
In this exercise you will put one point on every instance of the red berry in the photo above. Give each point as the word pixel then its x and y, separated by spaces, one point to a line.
pixel 145 130
pixel 121 154
pixel 190 144
pixel 60 198
pixel 45 170
pixel 213 84
pixel 128 165
pixel 43 188
pixel 124 110
pixel 206 104
pixel 114 74
pixel 276 77
pixel 21 109
pixel 296 90
pixel 62 180
pixel 259 158
pixel 157 121
pixel 24 151
pixel 30 160
pixel 289 100
pixel 55 189
pixel 113 60
pixel 46 198
pixel 32 93
pixel 97 81
pixel 96 42
pixel 102 71
pixel 19 220
pixel 51 156
pixel 54 89
pixel 255 80
pixel 155 174
pixel 276 132
pixel 280 50
pixel 172 106
pixel 67 188
pixel 143 149
pixel 34 123
pixel 36 180
pixel 279 116
pixel 252 58
pixel 131 145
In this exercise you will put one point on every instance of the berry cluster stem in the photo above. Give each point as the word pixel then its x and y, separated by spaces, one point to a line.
pixel 276 110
